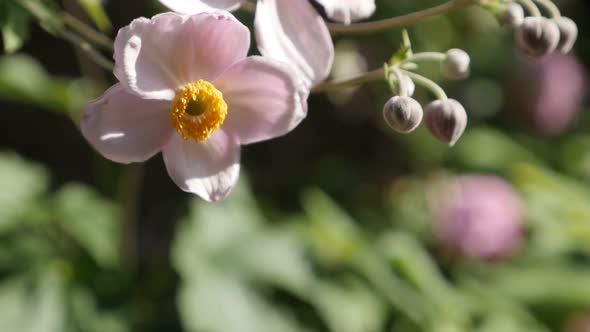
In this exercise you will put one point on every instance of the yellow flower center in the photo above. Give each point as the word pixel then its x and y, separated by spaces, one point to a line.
pixel 198 109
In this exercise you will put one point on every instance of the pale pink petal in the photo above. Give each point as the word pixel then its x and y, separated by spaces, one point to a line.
pixel 199 6
pixel 293 32
pixel 209 169
pixel 347 11
pixel 125 128
pixel 263 99
pixel 153 57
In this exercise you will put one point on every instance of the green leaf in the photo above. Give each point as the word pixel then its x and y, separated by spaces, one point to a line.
pixel 217 301
pixel 349 307
pixel 14 25
pixel 23 183
pixel 36 306
pixel 487 149
pixel 332 234
pixel 91 220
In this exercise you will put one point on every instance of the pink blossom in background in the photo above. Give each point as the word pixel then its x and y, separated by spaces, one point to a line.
pixel 559 93
pixel 186 88
pixel 479 216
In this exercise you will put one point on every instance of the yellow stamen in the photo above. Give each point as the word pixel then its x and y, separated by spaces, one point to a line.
pixel 198 110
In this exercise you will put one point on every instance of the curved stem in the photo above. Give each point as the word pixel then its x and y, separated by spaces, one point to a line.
pixel 403 89
pixel 530 7
pixel 427 83
pixel 551 8
pixel 341 84
pixel 400 21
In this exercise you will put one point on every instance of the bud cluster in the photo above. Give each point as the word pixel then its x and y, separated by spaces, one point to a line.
pixel 445 118
pixel 538 36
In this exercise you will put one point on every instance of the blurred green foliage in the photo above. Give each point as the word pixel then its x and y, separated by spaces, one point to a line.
pixel 338 236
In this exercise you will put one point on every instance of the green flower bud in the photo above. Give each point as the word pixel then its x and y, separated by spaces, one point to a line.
pixel 403 114
pixel 537 36
pixel 446 120
pixel 456 64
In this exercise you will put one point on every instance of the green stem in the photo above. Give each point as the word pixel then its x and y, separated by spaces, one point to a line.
pixel 129 185
pixel 55 25
pixel 551 8
pixel 400 21
pixel 348 83
pixel 530 7
pixel 427 56
pixel 87 32
pixel 427 83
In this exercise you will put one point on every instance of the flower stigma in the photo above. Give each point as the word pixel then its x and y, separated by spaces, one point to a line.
pixel 198 109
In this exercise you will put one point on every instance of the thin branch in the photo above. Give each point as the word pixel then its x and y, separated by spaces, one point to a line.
pixel 87 31
pixel 400 21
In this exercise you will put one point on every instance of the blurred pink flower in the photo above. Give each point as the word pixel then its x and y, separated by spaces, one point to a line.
pixel 291 31
pixel 479 217
pixel 186 88
pixel 560 92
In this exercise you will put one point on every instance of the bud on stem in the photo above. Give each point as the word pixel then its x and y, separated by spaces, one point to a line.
pixel 402 114
pixel 446 120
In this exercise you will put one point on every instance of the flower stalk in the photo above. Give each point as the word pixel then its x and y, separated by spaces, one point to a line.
pixel 400 21
pixel 530 7
pixel 427 83
pixel 551 8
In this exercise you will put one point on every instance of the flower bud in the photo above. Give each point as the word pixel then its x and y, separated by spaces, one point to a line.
pixel 408 84
pixel 568 33
pixel 511 16
pixel 446 120
pixel 456 64
pixel 403 114
pixel 537 36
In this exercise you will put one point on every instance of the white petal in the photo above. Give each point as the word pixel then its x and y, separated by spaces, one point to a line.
pixel 125 128
pixel 153 57
pixel 293 32
pixel 209 169
pixel 198 6
pixel 264 99
pixel 347 11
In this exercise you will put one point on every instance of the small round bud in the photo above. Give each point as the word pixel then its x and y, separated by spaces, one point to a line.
pixel 408 84
pixel 403 114
pixel 568 33
pixel 456 64
pixel 511 16
pixel 537 36
pixel 446 120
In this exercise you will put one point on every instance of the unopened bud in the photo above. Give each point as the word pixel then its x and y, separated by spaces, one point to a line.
pixel 537 36
pixel 511 16
pixel 568 33
pixel 456 64
pixel 408 85
pixel 403 114
pixel 446 120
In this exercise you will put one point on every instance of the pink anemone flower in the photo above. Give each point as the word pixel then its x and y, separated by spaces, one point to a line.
pixel 186 88
pixel 291 31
